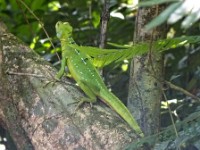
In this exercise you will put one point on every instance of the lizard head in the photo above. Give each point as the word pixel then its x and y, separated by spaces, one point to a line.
pixel 63 29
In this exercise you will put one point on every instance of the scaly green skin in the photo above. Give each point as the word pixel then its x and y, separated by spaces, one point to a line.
pixel 86 75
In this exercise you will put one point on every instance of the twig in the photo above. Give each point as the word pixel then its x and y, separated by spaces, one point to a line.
pixel 170 113
pixel 41 24
pixel 104 23
pixel 24 15
pixel 24 74
pixel 177 88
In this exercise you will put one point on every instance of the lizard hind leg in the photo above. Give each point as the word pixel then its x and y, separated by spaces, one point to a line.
pixel 91 97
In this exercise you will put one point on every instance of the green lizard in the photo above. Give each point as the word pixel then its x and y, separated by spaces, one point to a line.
pixel 87 76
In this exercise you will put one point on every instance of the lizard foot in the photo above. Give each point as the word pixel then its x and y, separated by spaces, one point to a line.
pixel 51 82
pixel 80 103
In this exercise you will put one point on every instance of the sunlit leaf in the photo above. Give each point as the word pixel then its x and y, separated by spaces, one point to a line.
pixel 154 2
pixel 163 16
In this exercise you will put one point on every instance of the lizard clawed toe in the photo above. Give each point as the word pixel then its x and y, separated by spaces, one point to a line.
pixel 80 103
pixel 51 82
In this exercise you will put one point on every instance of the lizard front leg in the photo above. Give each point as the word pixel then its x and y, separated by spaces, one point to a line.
pixel 60 72
pixel 63 64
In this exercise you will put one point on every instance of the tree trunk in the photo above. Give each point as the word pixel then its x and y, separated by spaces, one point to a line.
pixel 146 75
pixel 40 116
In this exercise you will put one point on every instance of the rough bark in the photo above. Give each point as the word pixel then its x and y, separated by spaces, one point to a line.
pixel 146 74
pixel 39 115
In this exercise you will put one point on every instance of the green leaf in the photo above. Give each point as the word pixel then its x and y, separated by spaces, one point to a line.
pixel 95 18
pixel 154 2
pixel 163 16
pixel 36 4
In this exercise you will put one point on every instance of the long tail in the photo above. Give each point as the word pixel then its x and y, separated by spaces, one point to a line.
pixel 110 99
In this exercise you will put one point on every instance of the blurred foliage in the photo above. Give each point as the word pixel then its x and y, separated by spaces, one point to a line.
pixel 186 10
pixel 84 16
